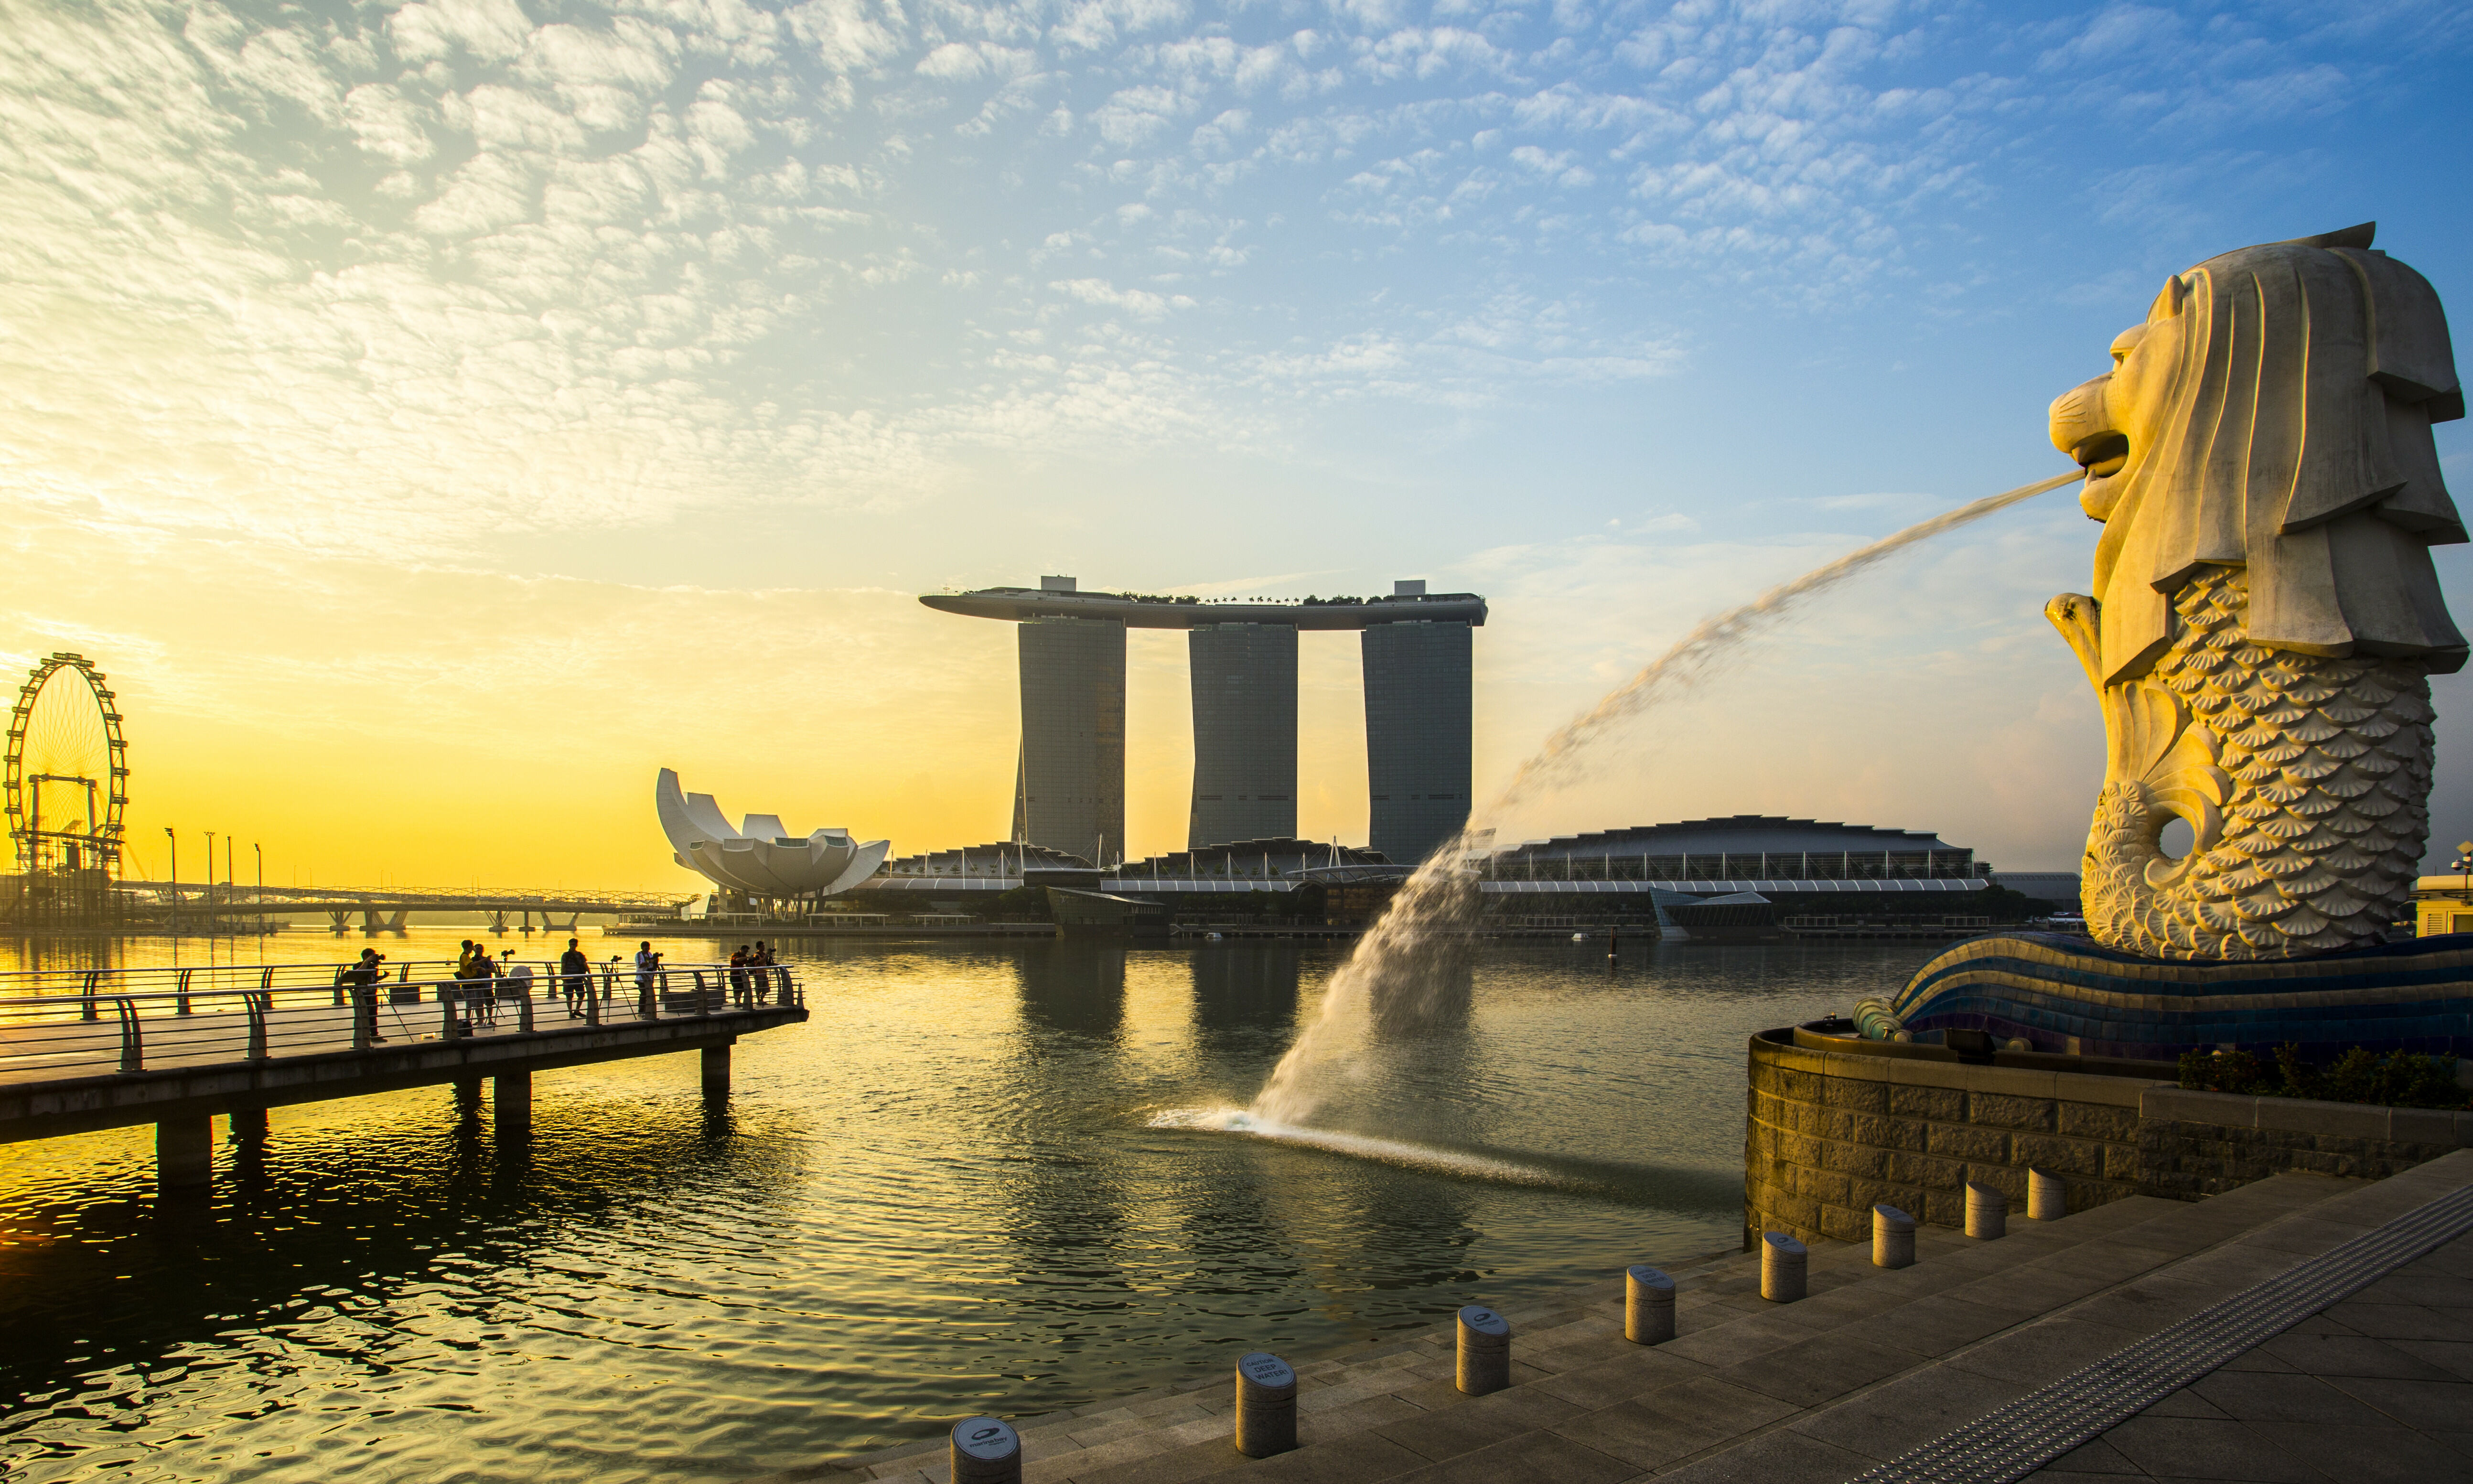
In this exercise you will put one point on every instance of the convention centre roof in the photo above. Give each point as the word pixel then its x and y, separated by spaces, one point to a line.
pixel 1735 834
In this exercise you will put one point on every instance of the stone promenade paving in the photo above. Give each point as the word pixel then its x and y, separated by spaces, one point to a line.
pixel 1874 1364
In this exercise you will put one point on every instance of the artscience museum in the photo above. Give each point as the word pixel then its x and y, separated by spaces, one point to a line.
pixel 760 858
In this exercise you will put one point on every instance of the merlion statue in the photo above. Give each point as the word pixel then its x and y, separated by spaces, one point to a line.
pixel 2264 620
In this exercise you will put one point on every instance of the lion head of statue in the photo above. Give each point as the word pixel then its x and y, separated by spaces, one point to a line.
pixel 2273 412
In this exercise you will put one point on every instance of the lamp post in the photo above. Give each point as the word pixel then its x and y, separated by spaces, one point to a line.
pixel 259 852
pixel 175 881
pixel 210 887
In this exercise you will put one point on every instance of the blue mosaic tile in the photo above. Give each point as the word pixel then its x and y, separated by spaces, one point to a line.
pixel 2426 1005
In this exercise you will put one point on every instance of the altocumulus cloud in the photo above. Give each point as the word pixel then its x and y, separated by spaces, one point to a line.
pixel 403 278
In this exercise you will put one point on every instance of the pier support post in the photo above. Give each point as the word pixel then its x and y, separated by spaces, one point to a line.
pixel 468 1100
pixel 249 1123
pixel 716 1071
pixel 1484 1353
pixel 512 1104
pixel 1649 1305
pixel 184 1155
pixel 1266 1405
pixel 985 1450
pixel 1785 1266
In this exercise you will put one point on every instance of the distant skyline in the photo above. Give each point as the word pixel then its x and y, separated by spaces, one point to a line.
pixel 438 417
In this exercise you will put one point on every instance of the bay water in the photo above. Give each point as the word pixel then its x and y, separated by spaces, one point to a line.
pixel 945 1193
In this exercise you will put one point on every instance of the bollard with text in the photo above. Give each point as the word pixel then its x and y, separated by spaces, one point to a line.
pixel 1266 1405
pixel 1649 1305
pixel 1484 1351
pixel 985 1450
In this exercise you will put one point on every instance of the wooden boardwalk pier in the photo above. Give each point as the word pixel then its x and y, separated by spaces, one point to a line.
pixel 111 1048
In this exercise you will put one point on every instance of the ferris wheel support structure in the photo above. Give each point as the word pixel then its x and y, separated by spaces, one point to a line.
pixel 82 862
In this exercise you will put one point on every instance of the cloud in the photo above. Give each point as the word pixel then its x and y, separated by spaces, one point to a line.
pixel 437 30
pixel 1140 302
pixel 467 276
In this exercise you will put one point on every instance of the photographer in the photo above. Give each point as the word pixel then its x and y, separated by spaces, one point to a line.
pixel 361 980
pixel 648 964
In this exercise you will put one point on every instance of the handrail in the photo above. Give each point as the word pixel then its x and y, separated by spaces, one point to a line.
pixel 268 976
pixel 133 1045
pixel 94 984
pixel 48 1035
pixel 187 992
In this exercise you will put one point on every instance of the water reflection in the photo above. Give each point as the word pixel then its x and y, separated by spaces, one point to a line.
pixel 1245 987
pixel 1074 984
pixel 941 1193
pixel 351 1200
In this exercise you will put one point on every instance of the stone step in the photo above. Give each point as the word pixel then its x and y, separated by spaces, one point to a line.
pixel 1587 1404
pixel 1854 1434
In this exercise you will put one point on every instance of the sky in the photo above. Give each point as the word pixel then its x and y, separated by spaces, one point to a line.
pixel 437 416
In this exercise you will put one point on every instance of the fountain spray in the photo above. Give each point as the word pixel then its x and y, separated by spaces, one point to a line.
pixel 1392 977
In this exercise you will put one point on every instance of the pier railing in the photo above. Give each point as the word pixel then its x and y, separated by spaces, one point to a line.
pixel 105 1021
pixel 202 977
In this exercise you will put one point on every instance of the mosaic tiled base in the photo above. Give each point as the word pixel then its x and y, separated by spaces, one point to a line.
pixel 2065 994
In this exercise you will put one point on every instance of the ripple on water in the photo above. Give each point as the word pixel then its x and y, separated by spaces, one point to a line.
pixel 944 1194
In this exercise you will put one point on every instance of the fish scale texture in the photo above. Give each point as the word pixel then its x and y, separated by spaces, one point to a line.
pixel 2306 780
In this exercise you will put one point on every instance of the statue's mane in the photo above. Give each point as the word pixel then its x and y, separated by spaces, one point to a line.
pixel 2296 442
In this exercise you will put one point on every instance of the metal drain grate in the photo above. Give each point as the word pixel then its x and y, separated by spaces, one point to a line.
pixel 2042 1425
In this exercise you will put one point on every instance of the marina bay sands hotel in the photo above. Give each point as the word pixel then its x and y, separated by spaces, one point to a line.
pixel 1070 783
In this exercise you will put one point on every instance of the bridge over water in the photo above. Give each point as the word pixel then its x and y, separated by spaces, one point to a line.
pixel 385 909
pixel 87 1049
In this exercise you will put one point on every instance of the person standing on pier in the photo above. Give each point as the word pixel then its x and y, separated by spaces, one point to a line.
pixel 762 959
pixel 647 964
pixel 362 980
pixel 481 992
pixel 575 977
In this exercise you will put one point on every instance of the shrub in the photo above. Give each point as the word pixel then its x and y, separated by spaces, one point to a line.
pixel 2399 1079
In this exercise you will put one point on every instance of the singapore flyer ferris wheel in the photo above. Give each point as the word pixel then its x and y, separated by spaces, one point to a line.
pixel 67 782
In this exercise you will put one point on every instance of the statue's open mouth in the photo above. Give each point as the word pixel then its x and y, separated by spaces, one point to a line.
pixel 2102 455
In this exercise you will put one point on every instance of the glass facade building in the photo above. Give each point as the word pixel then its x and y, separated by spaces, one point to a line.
pixel 1244 681
pixel 1418 716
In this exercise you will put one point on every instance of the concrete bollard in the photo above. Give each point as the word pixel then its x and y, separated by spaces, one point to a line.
pixel 1987 1213
pixel 1649 1305
pixel 1266 1405
pixel 1485 1350
pixel 2046 1198
pixel 986 1450
pixel 1784 1261
pixel 1893 1237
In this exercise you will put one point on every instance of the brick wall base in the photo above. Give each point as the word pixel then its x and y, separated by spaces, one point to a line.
pixel 1830 1133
